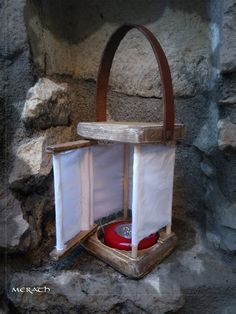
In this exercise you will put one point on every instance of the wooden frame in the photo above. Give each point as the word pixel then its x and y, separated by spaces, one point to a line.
pixel 128 132
pixel 58 148
pixel 71 244
pixel 134 264
pixel 75 241
pixel 126 181
pixel 123 261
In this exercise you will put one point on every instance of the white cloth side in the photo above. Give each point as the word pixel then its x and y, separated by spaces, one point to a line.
pixel 108 164
pixel 88 185
pixel 72 195
pixel 58 202
pixel 131 159
pixel 153 174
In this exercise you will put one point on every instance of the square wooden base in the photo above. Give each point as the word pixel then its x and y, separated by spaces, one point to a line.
pixel 122 260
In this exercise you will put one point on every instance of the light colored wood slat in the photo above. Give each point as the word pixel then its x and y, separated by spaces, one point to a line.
pixel 168 229
pixel 56 255
pixel 127 132
pixel 58 148
pixel 134 252
pixel 126 180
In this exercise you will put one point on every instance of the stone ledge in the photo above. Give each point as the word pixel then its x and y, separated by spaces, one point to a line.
pixel 95 293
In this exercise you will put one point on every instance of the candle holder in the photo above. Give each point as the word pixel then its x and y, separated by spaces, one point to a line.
pixel 119 166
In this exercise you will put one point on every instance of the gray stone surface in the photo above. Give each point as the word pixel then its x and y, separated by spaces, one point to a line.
pixel 3 307
pixel 207 139
pixel 32 164
pixel 227 134
pixel 15 79
pixel 231 100
pixel 228 43
pixel 17 75
pixel 98 293
pixel 225 163
pixel 135 70
pixel 204 275
pixel 2 122
pixel 221 214
pixel 14 229
pixel 127 307
pixel 28 164
pixel 47 105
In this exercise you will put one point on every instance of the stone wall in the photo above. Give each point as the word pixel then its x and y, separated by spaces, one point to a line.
pixel 50 52
pixel 218 164
pixel 15 79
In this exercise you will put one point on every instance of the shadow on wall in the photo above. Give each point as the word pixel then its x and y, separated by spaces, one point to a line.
pixel 67 40
pixel 75 20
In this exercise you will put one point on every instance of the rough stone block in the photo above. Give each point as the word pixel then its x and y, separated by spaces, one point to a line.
pixel 221 218
pixel 32 164
pixel 14 229
pixel 47 105
pixel 96 293
pixel 135 70
pixel 227 134
pixel 27 165
pixel 228 43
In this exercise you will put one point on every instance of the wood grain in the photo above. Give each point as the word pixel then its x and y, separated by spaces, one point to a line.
pixel 58 148
pixel 127 132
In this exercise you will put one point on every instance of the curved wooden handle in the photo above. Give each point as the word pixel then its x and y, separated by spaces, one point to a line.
pixel 104 72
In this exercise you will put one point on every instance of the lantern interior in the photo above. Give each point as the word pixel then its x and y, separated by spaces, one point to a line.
pixel 97 181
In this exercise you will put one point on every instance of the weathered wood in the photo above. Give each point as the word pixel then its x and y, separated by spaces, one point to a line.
pixel 56 255
pixel 58 148
pixel 123 262
pixel 134 251
pixel 127 132
pixel 168 229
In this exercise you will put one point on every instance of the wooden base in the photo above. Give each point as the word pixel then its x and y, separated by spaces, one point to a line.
pixel 124 262
pixel 56 255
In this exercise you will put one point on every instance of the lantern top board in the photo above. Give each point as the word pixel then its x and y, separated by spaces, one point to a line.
pixel 132 132
pixel 127 132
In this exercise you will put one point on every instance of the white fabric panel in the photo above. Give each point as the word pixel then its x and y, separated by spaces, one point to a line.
pixel 153 173
pixel 108 165
pixel 85 188
pixel 58 202
pixel 88 185
pixel 72 195
pixel 131 159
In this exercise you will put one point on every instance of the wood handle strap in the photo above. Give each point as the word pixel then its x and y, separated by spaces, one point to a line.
pixel 104 72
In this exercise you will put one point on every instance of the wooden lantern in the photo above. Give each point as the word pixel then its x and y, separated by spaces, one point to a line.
pixel 119 166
